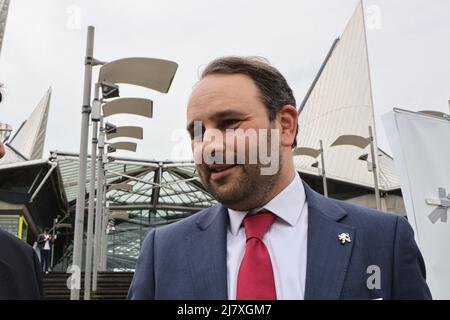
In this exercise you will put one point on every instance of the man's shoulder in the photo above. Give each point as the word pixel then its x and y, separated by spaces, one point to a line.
pixel 367 218
pixel 7 238
pixel 13 247
pixel 185 226
pixel 19 267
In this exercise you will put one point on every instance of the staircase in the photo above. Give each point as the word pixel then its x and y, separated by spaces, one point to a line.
pixel 110 286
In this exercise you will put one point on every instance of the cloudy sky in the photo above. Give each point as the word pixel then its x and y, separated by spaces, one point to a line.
pixel 44 46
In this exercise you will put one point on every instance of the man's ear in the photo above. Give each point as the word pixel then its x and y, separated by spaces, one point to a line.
pixel 288 121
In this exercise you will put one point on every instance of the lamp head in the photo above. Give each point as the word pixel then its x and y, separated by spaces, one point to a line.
pixel 363 157
pixel 109 90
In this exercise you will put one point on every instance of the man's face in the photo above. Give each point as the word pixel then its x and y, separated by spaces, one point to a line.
pixel 226 103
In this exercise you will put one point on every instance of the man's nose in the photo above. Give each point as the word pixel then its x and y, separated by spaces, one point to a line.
pixel 213 139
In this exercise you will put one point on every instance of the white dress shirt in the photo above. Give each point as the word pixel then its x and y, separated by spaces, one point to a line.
pixel 286 242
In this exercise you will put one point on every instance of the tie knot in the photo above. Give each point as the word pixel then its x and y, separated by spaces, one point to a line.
pixel 258 224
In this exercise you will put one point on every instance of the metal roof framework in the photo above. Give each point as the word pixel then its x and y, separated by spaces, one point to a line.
pixel 161 192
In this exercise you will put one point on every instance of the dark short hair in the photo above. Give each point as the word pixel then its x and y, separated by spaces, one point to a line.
pixel 46 229
pixel 274 89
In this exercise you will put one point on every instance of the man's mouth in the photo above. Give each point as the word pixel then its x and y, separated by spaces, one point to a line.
pixel 219 171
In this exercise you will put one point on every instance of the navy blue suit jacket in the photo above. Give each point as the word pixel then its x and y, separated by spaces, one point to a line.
pixel 187 259
pixel 20 270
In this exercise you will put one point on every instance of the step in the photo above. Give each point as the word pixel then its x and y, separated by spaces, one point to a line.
pixel 110 286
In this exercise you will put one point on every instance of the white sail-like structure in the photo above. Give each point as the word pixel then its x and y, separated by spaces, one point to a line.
pixel 340 103
pixel 4 6
pixel 30 139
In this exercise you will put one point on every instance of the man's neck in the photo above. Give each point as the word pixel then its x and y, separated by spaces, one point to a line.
pixel 284 181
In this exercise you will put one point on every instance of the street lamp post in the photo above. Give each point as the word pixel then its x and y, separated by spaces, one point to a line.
pixel 314 153
pixel 134 106
pixel 156 74
pixel 374 169
pixel 100 242
pixel 129 132
pixel 99 204
pixel 79 213
pixel 104 239
pixel 363 142
pixel 324 178
pixel 90 225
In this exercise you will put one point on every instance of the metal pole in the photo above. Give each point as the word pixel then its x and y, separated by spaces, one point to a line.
pixel 104 241
pixel 99 205
pixel 90 224
pixel 79 213
pixel 53 246
pixel 374 169
pixel 324 178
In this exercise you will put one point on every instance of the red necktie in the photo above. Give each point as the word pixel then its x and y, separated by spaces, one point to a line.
pixel 255 278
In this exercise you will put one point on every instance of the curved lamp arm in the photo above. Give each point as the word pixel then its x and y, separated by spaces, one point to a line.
pixel 155 74
pixel 136 106
pixel 127 132
pixel 352 140
pixel 124 145
pixel 314 153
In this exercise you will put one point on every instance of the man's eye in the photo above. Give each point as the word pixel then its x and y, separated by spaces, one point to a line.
pixel 230 122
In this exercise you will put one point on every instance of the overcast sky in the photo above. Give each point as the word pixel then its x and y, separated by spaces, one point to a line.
pixel 45 40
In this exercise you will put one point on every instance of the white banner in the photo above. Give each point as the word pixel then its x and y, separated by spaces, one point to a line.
pixel 421 149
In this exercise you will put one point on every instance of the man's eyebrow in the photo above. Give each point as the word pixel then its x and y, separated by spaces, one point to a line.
pixel 228 113
pixel 219 115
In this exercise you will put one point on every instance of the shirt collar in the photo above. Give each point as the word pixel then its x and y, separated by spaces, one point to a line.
pixel 287 205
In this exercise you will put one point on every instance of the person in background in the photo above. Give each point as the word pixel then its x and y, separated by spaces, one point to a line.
pixel 45 243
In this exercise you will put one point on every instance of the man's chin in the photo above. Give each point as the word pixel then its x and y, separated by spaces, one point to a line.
pixel 224 193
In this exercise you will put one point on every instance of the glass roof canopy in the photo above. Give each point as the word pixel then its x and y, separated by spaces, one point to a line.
pixel 172 186
pixel 161 192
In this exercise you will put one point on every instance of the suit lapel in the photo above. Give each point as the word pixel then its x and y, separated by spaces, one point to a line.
pixel 207 255
pixel 327 257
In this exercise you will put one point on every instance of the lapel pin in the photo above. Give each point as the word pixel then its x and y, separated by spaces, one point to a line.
pixel 344 238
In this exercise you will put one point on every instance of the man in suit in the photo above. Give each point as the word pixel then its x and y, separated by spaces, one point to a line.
pixel 20 271
pixel 271 236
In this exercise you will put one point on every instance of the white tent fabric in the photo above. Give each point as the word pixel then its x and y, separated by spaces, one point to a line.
pixel 4 6
pixel 340 103
pixel 29 140
pixel 11 156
